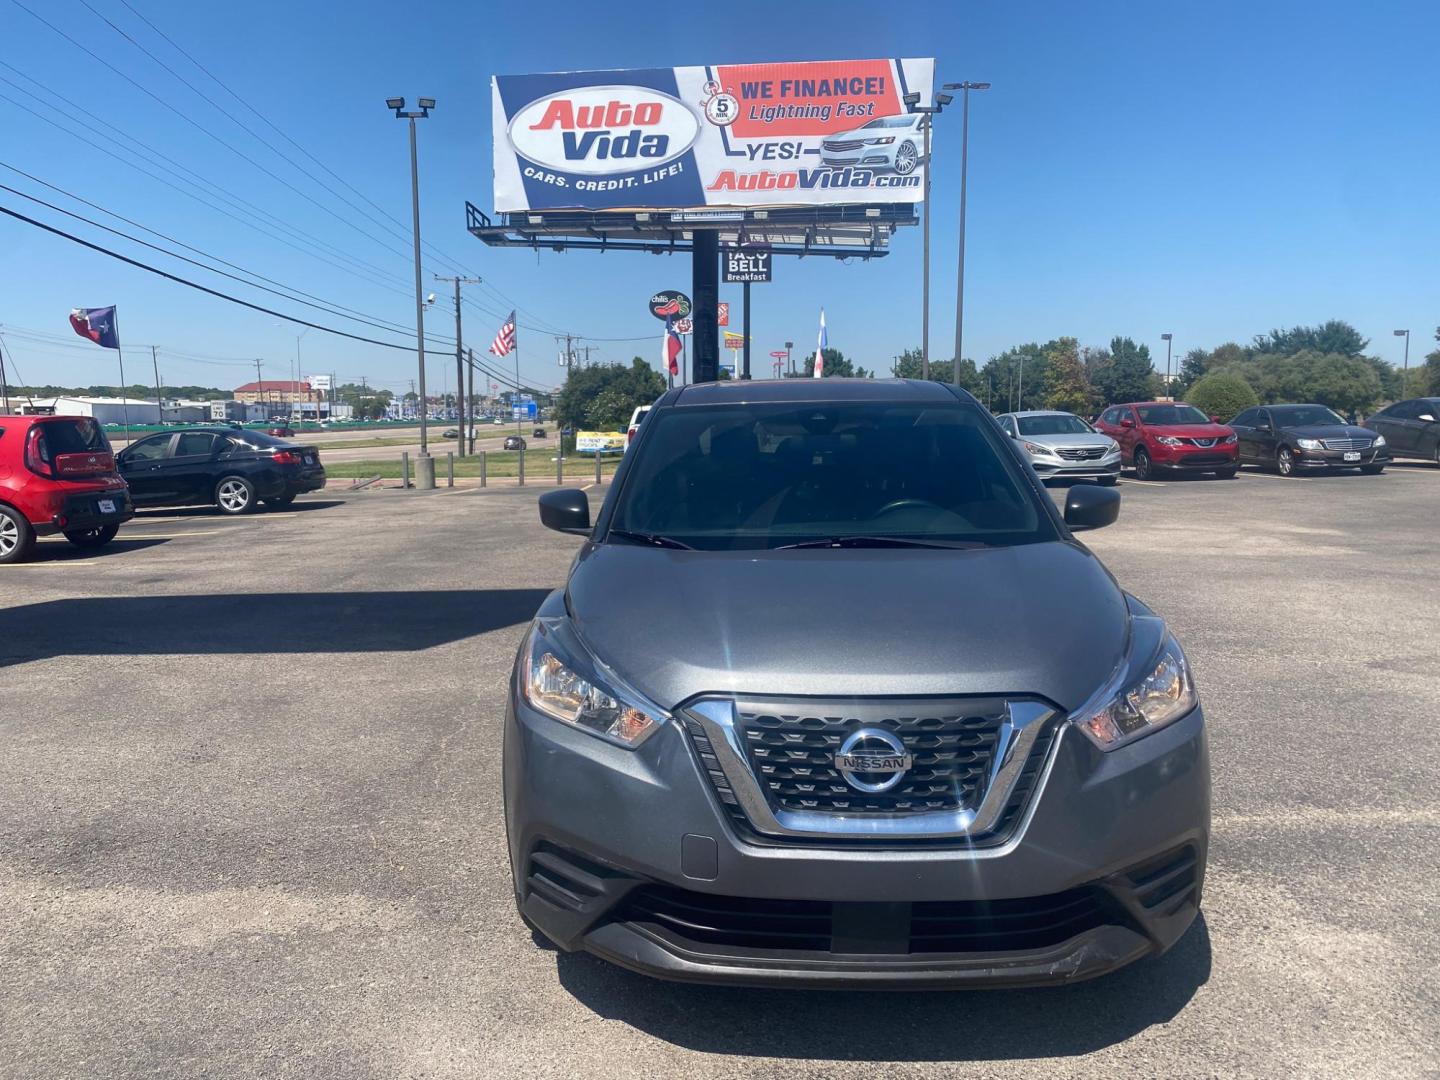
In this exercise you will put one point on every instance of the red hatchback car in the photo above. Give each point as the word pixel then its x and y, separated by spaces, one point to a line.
pixel 1156 436
pixel 57 475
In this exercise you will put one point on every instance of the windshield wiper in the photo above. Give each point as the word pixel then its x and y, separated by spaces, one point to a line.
pixel 880 542
pixel 653 539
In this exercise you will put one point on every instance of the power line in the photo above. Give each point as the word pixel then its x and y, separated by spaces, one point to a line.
pixel 393 328
pixel 196 285
pixel 437 252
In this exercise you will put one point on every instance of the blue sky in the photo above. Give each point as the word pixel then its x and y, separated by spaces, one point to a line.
pixel 1210 169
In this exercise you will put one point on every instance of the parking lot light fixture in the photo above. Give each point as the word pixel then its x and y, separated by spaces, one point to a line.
pixel 964 88
pixel 1167 338
pixel 912 104
pixel 425 467
pixel 1405 371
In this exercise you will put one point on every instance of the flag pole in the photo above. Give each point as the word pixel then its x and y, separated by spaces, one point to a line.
pixel 517 384
pixel 124 406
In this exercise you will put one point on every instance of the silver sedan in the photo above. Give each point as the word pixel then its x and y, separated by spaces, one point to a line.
pixel 1060 444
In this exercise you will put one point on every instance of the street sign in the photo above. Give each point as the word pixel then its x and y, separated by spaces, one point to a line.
pixel 724 315
pixel 734 341
pixel 780 355
pixel 669 304
pixel 746 265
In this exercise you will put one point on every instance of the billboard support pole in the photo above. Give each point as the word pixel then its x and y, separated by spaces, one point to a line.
pixel 745 371
pixel 705 287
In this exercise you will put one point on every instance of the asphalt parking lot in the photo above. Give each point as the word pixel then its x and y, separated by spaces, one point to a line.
pixel 250 811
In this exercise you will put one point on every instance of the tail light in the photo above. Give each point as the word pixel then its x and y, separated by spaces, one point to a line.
pixel 286 457
pixel 37 455
pixel 630 435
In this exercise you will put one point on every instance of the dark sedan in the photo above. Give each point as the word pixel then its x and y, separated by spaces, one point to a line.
pixel 1412 428
pixel 232 470
pixel 1294 439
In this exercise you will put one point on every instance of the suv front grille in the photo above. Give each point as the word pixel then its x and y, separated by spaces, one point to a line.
pixel 793 757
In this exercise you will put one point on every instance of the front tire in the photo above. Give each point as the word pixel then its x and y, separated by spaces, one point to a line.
pixel 17 538
pixel 92 538
pixel 234 495
pixel 1285 461
pixel 1144 468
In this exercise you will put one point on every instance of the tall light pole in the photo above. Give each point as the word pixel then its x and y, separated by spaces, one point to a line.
pixel 1167 338
pixel 1405 371
pixel 965 87
pixel 789 367
pixel 299 376
pixel 912 102
pixel 424 464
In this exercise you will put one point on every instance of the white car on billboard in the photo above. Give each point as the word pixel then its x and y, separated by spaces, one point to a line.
pixel 887 142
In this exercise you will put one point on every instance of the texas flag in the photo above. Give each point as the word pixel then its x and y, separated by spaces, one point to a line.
pixel 97 324
pixel 670 346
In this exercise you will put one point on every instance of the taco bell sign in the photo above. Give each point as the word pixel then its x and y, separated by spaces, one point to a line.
pixel 816 133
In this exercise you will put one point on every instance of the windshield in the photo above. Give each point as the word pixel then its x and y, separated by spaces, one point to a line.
pixel 890 122
pixel 1171 414
pixel 1053 424
pixel 1305 416
pixel 766 476
pixel 83 436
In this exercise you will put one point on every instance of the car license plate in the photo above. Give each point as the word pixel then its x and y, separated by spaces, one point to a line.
pixel 1352 456
pixel 107 506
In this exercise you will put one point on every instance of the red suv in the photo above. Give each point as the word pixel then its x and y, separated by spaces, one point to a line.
pixel 1170 436
pixel 57 475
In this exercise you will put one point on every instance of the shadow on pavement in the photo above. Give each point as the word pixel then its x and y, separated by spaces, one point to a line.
pixel 51 551
pixel 976 1025
pixel 281 623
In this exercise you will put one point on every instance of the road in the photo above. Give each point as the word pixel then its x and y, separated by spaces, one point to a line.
pixel 250 812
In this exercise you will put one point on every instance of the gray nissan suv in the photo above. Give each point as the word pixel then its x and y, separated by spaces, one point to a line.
pixel 834 697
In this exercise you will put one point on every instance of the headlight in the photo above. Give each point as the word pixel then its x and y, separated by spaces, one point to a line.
pixel 1232 437
pixel 1162 695
pixel 1379 441
pixel 1309 444
pixel 880 142
pixel 1167 440
pixel 1036 448
pixel 1113 448
pixel 561 680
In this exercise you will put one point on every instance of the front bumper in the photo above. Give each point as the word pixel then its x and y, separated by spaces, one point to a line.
pixel 1196 458
pixel 629 855
pixel 81 512
pixel 1062 469
pixel 1335 459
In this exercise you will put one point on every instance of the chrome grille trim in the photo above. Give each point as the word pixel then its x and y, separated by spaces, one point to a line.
pixel 1345 444
pixel 842 144
pixel 1207 443
pixel 1081 453
pixel 725 755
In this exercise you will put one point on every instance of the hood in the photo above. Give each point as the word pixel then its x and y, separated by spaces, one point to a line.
pixel 1043 619
pixel 1330 431
pixel 1079 439
pixel 1190 431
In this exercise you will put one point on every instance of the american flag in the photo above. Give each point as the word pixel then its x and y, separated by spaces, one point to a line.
pixel 505 339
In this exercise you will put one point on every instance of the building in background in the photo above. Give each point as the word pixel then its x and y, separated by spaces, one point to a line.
pixel 105 410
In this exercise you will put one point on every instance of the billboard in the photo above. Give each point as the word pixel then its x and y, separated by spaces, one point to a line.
pixel 826 132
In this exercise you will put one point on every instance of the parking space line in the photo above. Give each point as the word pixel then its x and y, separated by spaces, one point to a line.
pixel 1142 483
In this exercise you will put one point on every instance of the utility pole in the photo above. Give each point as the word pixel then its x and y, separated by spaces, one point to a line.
pixel 459 351
pixel 964 176
pixel 789 364
pixel 259 387
pixel 4 385
pixel 424 464
pixel 159 398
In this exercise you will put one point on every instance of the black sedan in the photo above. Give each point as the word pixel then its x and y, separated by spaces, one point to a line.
pixel 232 470
pixel 1294 439
pixel 514 442
pixel 1412 428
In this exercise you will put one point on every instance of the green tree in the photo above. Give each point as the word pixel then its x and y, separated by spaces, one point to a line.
pixel 1193 366
pixel 908 365
pixel 367 402
pixel 1222 394
pixel 1016 378
pixel 1335 336
pixel 1346 383
pixel 837 366
pixel 1129 376
pixel 603 396
pixel 1067 387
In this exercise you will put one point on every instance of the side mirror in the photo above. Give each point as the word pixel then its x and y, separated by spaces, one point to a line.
pixel 1127 422
pixel 1427 418
pixel 566 510
pixel 1090 507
